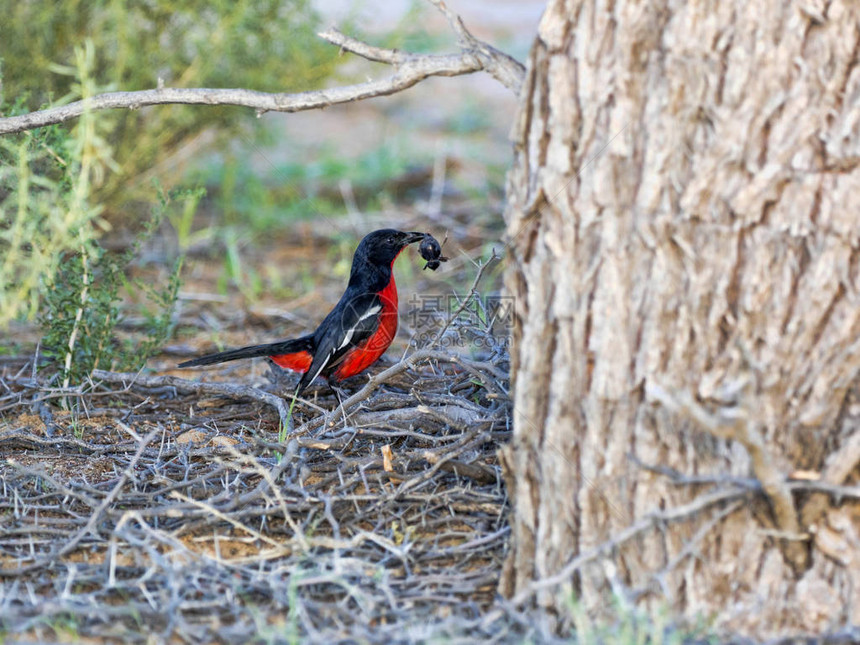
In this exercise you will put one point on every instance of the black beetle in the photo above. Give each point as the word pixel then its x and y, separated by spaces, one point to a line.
pixel 431 251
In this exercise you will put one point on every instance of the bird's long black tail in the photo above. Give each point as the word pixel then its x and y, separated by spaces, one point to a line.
pixel 294 345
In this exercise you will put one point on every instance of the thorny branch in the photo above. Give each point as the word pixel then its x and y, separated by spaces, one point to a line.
pixel 732 422
pixel 727 496
pixel 427 353
pixel 658 518
pixel 409 69
pixel 185 386
pixel 96 516
pixel 130 520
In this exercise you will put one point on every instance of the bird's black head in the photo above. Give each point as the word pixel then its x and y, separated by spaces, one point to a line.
pixel 383 246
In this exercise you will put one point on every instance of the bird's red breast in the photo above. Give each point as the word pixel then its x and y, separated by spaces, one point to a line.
pixel 363 355
pixel 367 353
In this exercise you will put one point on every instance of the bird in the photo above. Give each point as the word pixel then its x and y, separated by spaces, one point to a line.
pixel 355 333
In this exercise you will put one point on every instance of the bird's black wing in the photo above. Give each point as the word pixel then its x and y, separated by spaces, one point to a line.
pixel 351 322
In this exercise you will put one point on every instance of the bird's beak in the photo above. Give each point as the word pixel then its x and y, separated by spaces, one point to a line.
pixel 413 237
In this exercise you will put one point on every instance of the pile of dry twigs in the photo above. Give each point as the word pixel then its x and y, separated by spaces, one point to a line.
pixel 154 506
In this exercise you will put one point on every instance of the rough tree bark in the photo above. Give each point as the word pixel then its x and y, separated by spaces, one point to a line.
pixel 683 214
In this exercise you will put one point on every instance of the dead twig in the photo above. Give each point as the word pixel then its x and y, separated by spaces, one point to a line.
pixel 505 69
pixel 72 544
pixel 373 384
pixel 480 474
pixel 676 514
pixel 233 526
pixel 732 422
pixel 185 386
pixel 690 548
pixel 835 491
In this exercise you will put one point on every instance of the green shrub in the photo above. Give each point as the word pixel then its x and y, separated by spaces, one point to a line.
pixel 50 260
pixel 46 210
pixel 62 186
pixel 80 312
pixel 267 45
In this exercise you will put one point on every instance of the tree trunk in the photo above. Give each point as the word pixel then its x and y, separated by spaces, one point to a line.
pixel 683 215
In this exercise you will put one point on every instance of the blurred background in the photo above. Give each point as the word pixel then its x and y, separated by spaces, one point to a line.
pixel 188 227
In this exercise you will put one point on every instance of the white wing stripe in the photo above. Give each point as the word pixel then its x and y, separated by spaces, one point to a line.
pixel 351 332
pixel 348 337
pixel 324 363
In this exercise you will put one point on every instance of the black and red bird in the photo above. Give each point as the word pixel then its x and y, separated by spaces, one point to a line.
pixel 356 332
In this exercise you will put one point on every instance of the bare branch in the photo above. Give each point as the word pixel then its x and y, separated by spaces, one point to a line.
pixel 406 76
pixel 377 54
pixel 194 387
pixel 698 505
pixel 505 69
pixel 72 544
pixel 690 548
pixel 373 384
pixel 478 472
pixel 842 462
pixel 170 524
pixel 409 70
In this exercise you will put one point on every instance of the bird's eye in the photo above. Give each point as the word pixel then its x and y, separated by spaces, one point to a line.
pixel 391 240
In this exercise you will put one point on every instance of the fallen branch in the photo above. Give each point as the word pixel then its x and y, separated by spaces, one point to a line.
pixel 835 491
pixel 94 519
pixel 18 438
pixel 690 549
pixel 481 474
pixel 128 380
pixel 195 523
pixel 679 513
